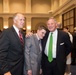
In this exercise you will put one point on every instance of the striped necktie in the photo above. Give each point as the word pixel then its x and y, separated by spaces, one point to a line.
pixel 21 38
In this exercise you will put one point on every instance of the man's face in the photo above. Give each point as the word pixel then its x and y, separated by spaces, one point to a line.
pixel 51 24
pixel 41 33
pixel 19 21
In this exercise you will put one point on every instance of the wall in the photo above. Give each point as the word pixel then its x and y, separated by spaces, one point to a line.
pixel 1 6
pixel 38 21
pixel 41 6
pixel 17 6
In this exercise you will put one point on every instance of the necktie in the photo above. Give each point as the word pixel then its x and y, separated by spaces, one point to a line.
pixel 50 57
pixel 21 38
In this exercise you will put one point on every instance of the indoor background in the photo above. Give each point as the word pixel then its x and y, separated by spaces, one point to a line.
pixel 37 12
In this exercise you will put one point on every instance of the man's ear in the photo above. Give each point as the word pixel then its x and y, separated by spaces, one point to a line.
pixel 14 20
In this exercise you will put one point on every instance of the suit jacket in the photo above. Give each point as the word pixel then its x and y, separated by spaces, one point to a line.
pixel 62 50
pixel 74 41
pixel 11 52
pixel 73 52
pixel 32 54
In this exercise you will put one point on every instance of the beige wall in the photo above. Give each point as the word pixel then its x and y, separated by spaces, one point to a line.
pixel 56 4
pixel 10 21
pixel 17 6
pixel 1 6
pixel 41 6
pixel 57 18
pixel 35 10
pixel 38 21
pixel 63 1
pixel 1 23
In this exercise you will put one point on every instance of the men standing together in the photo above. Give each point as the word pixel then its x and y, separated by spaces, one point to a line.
pixel 55 47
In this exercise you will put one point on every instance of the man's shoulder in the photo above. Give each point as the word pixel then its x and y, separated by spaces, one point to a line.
pixel 8 29
pixel 62 32
pixel 29 37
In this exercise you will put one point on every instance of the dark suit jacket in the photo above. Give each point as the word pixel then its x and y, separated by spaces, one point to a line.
pixel 74 40
pixel 11 52
pixel 73 52
pixel 62 50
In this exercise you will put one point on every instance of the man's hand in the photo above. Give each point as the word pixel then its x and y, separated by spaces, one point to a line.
pixel 7 73
pixel 29 72
pixel 29 34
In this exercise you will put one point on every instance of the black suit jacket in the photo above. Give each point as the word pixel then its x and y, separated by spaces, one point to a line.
pixel 74 41
pixel 11 52
pixel 62 50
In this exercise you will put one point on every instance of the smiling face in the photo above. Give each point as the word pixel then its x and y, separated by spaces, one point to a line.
pixel 51 24
pixel 19 21
pixel 41 33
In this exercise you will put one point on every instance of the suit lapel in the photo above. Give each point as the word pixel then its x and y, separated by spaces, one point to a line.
pixel 16 35
pixel 58 42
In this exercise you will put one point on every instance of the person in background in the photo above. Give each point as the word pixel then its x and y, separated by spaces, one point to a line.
pixel 68 62
pixel 33 52
pixel 56 45
pixel 12 48
pixel 58 25
pixel 74 48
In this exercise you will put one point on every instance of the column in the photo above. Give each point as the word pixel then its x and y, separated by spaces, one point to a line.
pixel 28 24
pixel 28 6
pixel 5 22
pixel 56 4
pixel 60 2
pixel 5 6
pixel 52 5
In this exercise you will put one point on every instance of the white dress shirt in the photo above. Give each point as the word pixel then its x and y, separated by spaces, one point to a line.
pixel 16 29
pixel 55 33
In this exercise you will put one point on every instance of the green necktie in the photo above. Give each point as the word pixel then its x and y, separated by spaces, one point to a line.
pixel 50 57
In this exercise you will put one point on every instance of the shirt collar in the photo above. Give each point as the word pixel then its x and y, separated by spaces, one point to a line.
pixel 54 31
pixel 16 29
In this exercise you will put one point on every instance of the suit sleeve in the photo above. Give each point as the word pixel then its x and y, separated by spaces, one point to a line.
pixel 68 44
pixel 27 53
pixel 4 45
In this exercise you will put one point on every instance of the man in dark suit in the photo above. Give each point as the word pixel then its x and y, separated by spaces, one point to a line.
pixel 12 48
pixel 61 47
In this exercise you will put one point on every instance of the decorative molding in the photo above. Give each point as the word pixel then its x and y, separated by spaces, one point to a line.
pixel 66 6
pixel 26 14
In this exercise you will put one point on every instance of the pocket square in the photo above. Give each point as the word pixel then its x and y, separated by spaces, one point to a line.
pixel 61 43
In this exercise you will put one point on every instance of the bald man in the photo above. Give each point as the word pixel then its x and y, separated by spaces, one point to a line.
pixel 12 48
